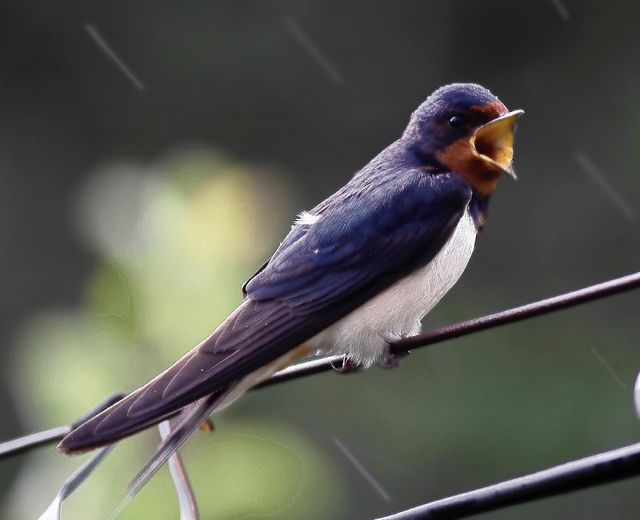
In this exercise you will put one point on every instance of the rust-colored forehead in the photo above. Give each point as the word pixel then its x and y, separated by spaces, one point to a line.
pixel 490 110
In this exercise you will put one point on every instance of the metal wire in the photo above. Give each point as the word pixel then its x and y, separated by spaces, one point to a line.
pixel 463 328
pixel 580 474
pixel 549 305
pixel 590 471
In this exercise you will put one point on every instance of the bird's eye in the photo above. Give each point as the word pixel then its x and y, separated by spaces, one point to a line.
pixel 457 121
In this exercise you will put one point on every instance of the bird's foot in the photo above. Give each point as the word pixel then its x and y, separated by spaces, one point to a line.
pixel 389 358
pixel 346 367
pixel 206 426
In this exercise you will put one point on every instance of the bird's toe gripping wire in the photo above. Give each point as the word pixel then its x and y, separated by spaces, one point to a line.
pixel 390 359
pixel 347 366
pixel 207 426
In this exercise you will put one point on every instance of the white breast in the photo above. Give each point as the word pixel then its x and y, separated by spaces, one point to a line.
pixel 398 311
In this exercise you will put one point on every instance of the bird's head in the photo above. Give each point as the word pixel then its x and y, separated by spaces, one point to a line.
pixel 465 129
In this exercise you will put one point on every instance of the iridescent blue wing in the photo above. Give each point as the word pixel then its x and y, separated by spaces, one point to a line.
pixel 369 235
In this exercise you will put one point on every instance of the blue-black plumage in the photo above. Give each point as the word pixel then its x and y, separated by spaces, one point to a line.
pixel 361 268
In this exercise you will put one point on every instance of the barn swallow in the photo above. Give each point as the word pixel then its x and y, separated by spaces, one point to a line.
pixel 360 269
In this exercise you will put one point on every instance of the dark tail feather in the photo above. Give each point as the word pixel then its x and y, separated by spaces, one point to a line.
pixel 188 421
pixel 144 407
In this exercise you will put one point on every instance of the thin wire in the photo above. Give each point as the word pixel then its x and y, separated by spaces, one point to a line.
pixel 186 498
pixel 590 471
pixel 549 305
pixel 33 440
pixel 463 328
pixel 54 511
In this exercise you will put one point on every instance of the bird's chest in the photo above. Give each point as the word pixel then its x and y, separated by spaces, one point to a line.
pixel 415 295
pixel 398 310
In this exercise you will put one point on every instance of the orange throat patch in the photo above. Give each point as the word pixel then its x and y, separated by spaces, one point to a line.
pixel 462 158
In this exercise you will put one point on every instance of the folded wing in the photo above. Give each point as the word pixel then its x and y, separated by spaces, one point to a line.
pixel 363 242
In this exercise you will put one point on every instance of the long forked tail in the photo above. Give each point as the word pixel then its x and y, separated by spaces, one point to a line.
pixel 149 405
pixel 174 391
pixel 189 420
pixel 239 353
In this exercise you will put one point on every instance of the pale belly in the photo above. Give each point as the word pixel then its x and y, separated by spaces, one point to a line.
pixel 398 311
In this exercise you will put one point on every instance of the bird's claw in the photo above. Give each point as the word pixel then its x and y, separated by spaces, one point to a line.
pixel 206 426
pixel 346 367
pixel 390 359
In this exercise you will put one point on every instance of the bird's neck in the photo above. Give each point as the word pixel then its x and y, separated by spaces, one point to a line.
pixel 478 208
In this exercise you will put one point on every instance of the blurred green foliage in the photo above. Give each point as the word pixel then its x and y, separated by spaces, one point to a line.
pixel 165 237
pixel 124 243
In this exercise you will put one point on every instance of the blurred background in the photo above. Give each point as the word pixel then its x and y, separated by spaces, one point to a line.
pixel 153 154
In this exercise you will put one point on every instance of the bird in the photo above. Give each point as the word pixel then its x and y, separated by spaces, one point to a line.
pixel 357 271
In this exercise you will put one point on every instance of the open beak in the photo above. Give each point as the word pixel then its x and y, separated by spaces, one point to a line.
pixel 493 141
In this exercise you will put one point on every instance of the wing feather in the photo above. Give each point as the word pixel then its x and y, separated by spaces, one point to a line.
pixel 363 242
